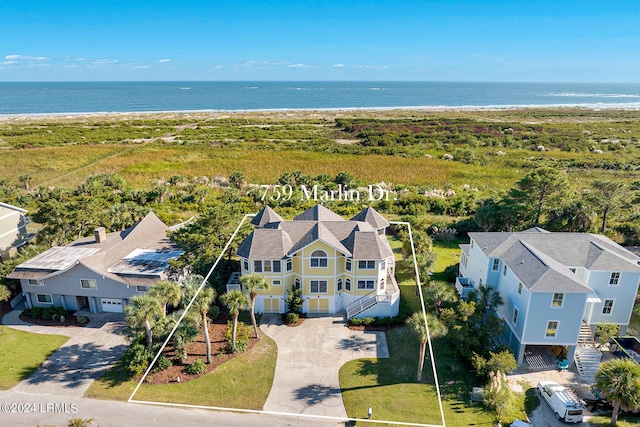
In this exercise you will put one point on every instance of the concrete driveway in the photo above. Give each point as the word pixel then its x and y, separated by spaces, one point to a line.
pixel 309 358
pixel 89 352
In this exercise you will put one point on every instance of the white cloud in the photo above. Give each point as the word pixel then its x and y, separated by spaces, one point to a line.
pixel 338 65
pixel 105 61
pixel 26 57
pixel 296 66
pixel 165 60
pixel 8 62
pixel 140 66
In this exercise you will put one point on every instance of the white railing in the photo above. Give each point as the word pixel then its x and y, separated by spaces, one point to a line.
pixel 365 303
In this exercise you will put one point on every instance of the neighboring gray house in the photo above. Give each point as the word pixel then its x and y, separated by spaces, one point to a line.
pixel 13 229
pixel 553 284
pixel 99 273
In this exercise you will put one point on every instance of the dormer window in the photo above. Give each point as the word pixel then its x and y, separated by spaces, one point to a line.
pixel 319 259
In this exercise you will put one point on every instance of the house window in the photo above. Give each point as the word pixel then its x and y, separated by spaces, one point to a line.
pixel 266 266
pixel 296 284
pixel 318 287
pixel 367 265
pixel 44 298
pixel 496 264
pixel 613 281
pixel 515 315
pixel 383 265
pixel 607 307
pixel 142 288
pixel 366 284
pixel 289 264
pixel 245 265
pixel 347 264
pixel 276 266
pixel 257 266
pixel 552 329
pixel 339 285
pixel 276 283
pixel 88 284
pixel 519 288
pixel 34 282
pixel 464 260
pixel 504 271
pixel 557 300
pixel 319 259
pixel 381 286
pixel 347 284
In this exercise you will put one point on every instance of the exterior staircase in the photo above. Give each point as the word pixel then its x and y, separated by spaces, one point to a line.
pixel 587 357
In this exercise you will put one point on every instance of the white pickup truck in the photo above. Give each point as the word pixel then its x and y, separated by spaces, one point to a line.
pixel 563 401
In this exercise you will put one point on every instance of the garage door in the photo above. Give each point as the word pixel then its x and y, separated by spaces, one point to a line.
pixel 111 305
pixel 271 305
pixel 319 305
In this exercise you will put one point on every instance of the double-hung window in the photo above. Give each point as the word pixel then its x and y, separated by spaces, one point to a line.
pixel 366 284
pixel 339 285
pixel 614 279
pixel 347 284
pixel 347 264
pixel 552 329
pixel 289 264
pixel 607 307
pixel 367 265
pixel 557 300
pixel 496 264
pixel 318 286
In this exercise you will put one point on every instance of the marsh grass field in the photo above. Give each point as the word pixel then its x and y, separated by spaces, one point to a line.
pixel 491 149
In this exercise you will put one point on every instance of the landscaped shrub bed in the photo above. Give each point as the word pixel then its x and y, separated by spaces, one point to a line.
pixel 381 323
pixel 51 316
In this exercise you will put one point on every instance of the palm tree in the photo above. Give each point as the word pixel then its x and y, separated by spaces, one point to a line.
pixel 252 283
pixel 142 310
pixel 487 299
pixel 235 301
pixel 619 382
pixel 436 330
pixel 5 293
pixel 440 292
pixel 202 304
pixel 166 293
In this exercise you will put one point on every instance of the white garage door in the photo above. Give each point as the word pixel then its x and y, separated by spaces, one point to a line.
pixel 111 305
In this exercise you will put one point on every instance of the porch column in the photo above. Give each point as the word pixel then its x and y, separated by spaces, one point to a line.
pixel 63 303
pixel 520 355
pixel 571 352
pixel 27 300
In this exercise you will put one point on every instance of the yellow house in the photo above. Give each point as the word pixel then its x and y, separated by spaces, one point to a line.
pixel 340 265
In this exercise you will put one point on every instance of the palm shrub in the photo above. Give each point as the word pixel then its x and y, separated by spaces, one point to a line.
pixel 242 336
pixel 196 367
pixel 137 359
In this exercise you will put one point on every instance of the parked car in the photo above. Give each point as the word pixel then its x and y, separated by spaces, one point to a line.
pixel 562 401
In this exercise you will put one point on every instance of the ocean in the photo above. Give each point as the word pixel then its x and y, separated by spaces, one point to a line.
pixel 27 98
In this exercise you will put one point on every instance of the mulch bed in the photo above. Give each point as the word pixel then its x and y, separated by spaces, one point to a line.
pixel 301 318
pixel 197 350
pixel 69 321
pixel 372 328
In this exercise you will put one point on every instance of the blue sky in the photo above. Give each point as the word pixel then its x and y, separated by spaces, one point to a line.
pixel 581 41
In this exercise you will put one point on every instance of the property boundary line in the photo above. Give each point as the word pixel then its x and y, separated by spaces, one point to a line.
pixel 255 411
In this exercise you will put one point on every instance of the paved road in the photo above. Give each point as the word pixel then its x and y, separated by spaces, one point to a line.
pixel 50 410
pixel 309 358
pixel 89 352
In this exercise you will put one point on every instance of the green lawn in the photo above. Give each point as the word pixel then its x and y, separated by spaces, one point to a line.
pixel 623 421
pixel 390 387
pixel 447 253
pixel 243 382
pixel 21 353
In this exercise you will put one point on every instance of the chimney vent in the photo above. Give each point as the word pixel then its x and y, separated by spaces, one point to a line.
pixel 100 234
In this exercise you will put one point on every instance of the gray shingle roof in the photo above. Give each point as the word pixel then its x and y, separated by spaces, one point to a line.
pixel 353 238
pixel 318 213
pixel 150 235
pixel 372 217
pixel 541 259
pixel 266 216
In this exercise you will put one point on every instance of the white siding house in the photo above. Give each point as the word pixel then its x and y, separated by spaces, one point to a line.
pixel 13 229
pixel 552 284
